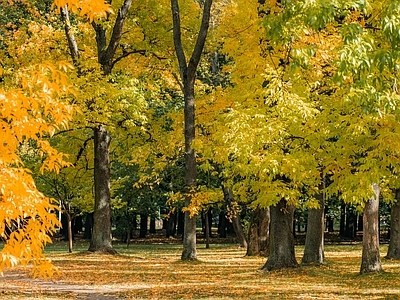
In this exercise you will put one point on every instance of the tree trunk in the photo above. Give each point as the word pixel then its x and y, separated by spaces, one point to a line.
pixel 314 246
pixel 88 226
pixel 78 226
pixel 187 71
pixel 351 224
pixel 371 261
pixel 189 229
pixel 143 225
pixel 207 229
pixel 70 234
pixel 181 222
pixel 264 231
pixel 282 254
pixel 152 225
pixel 222 225
pixel 394 243
pixel 171 225
pixel 235 217
pixel 360 223
pixel 258 237
pixel 128 229
pixel 342 230
pixel 101 237
pixel 253 246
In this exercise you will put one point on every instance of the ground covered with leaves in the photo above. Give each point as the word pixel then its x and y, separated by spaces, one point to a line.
pixel 154 271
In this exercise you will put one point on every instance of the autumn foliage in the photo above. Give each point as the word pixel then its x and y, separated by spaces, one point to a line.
pixel 27 115
pixel 31 111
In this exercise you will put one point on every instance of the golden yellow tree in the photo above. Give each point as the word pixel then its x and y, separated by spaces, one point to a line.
pixel 27 115
pixel 31 110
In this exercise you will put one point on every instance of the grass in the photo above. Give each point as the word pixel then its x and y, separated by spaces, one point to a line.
pixel 146 271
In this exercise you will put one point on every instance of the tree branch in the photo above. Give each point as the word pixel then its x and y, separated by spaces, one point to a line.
pixel 117 32
pixel 72 44
pixel 126 54
pixel 201 39
pixel 80 152
pixel 177 35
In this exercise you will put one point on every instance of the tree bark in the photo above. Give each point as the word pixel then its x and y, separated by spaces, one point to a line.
pixel 264 231
pixel 351 224
pixel 171 225
pixel 342 230
pixel 222 225
pixel 128 229
pixel 143 225
pixel 371 261
pixel 258 237
pixel 152 225
pixel 101 241
pixel 207 229
pixel 187 72
pixel 235 217
pixel 88 226
pixel 70 235
pixel 394 243
pixel 101 236
pixel 282 254
pixel 314 245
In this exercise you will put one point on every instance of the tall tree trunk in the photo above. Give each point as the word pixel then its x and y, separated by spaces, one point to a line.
pixel 258 236
pixel 143 225
pixel 128 229
pixel 342 230
pixel 394 243
pixel 187 71
pixel 253 246
pixel 264 231
pixel 152 225
pixel 101 240
pixel 371 261
pixel 282 254
pixel 171 225
pixel 101 236
pixel 70 234
pixel 180 219
pixel 235 217
pixel 88 226
pixel 207 229
pixel 78 225
pixel 351 224
pixel 314 246
pixel 222 225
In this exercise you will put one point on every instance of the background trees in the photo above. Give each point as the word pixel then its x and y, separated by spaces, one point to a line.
pixel 296 107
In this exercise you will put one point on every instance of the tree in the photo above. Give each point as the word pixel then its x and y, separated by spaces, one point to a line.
pixel 234 216
pixel 394 243
pixel 27 116
pixel 258 236
pixel 314 245
pixel 101 236
pixel 371 261
pixel 281 253
pixel 187 71
pixel 31 113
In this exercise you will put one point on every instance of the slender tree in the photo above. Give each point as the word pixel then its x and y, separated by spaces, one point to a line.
pixel 187 71
pixel 394 243
pixel 101 237
pixel 371 261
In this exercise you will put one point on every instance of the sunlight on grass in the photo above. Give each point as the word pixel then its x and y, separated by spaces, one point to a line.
pixel 222 272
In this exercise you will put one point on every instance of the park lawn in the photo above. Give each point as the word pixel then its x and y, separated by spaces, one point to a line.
pixel 154 271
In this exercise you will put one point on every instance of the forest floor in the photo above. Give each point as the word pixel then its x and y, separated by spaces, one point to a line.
pixel 153 270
